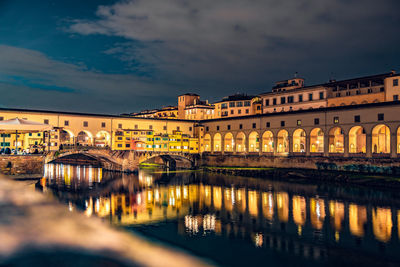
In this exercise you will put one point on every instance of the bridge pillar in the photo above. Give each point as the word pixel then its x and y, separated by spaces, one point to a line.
pixel 326 144
pixel 393 145
pixel 307 145
pixel 290 142
pixel 368 145
pixel 212 145
pixel 222 144
pixel 275 137
pixel 346 145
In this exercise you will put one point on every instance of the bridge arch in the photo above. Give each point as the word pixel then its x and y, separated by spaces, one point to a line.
pixel 67 137
pixel 217 142
pixel 336 140
pixel 299 141
pixel 357 140
pixel 229 142
pixel 268 142
pixel 283 142
pixel 254 142
pixel 84 138
pixel 240 142
pixel 207 142
pixel 316 140
pixel 102 139
pixel 381 139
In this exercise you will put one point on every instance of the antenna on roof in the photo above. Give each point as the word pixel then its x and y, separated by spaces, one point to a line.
pixel 295 74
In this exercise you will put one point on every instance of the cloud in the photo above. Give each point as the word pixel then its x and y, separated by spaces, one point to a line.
pixel 31 79
pixel 239 42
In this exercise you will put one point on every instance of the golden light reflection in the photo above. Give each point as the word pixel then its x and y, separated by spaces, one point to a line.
pixel 253 203
pixel 336 211
pixel 382 224
pixel 282 204
pixel 268 205
pixel 217 196
pixel 357 219
pixel 317 213
pixel 299 210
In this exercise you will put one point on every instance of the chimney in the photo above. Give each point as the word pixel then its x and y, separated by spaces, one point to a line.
pixel 393 72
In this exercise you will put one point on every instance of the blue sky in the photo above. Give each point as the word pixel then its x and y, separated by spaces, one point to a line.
pixel 124 56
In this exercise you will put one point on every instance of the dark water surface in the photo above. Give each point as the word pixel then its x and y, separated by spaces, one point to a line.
pixel 239 221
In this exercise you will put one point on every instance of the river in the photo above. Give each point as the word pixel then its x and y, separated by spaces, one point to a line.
pixel 239 221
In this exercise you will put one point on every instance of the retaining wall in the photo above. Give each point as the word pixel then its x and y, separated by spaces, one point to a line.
pixel 18 164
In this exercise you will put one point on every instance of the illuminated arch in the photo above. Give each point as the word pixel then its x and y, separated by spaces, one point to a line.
pixel 299 140
pixel 85 138
pixel 316 140
pixel 240 142
pixel 381 139
pixel 336 140
pixel 207 143
pixel 229 142
pixel 283 141
pixel 217 142
pixel 67 137
pixel 254 142
pixel 268 142
pixel 357 140
pixel 102 139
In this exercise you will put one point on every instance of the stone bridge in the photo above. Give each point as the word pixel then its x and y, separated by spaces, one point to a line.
pixel 124 161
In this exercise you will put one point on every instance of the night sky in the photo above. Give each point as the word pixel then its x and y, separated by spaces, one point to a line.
pixel 124 56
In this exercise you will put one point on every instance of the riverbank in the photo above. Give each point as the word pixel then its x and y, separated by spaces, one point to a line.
pixel 39 231
pixel 307 175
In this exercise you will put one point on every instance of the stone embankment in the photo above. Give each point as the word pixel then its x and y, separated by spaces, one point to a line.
pixel 22 164
pixel 39 231
pixel 385 166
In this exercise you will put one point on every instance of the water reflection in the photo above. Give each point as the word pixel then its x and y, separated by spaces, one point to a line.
pixel 311 221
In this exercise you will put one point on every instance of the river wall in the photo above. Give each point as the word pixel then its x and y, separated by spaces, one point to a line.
pixel 22 164
pixel 387 166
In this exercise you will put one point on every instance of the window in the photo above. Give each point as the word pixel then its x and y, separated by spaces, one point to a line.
pixel 381 117
pixel 177 128
pixel 358 92
pixel 46 121
pixel 190 128
pixel 231 104
pixel 283 100
pixel 337 94
pixel 239 104
pixel 103 125
pixel 357 118
pixel 164 128
pixel 274 101
pixel 382 89
pixel 224 106
pixel 119 125
pixel 348 93
pixel 207 128
pixel 300 98
pixel 127 145
pixel 290 99
pixel 66 123
pixel 298 122
pixel 1 118
pixel 232 111
pixel 395 97
pixel 254 125
pixel 316 121
pixel 217 128
pixel 228 127
pixel 321 95
pixel 268 124
pixel 396 82
pixel 335 120
pixel 258 107
pixel 282 123
pixel 310 97
pixel 85 124
pixel 247 111
pixel 247 103
pixel 240 126
pixel 267 102
pixel 369 90
pixel 239 111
